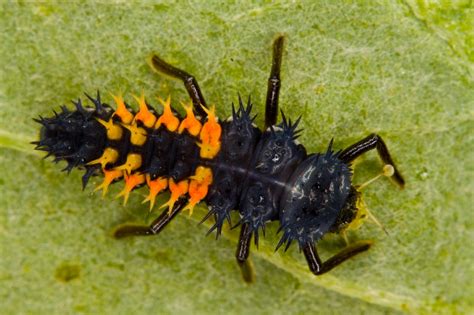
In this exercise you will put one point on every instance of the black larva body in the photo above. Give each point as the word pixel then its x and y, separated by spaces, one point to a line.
pixel 253 174
pixel 254 171
pixel 231 165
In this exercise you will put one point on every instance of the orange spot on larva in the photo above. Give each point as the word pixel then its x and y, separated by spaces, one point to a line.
pixel 167 118
pixel 131 181
pixel 198 187
pixel 210 135
pixel 155 186
pixel 177 190
pixel 109 177
pixel 122 112
pixel 190 123
pixel 144 115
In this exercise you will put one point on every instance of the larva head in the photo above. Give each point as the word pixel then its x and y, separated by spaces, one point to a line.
pixel 355 212
pixel 74 136
pixel 316 194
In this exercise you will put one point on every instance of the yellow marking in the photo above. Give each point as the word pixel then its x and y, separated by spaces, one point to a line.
pixel 137 134
pixel 190 123
pixel 198 187
pixel 202 175
pixel 134 161
pixel 360 217
pixel 177 190
pixel 131 181
pixel 363 212
pixel 114 132
pixel 210 135
pixel 109 177
pixel 110 155
pixel 144 115
pixel 208 151
pixel 122 112
pixel 167 118
pixel 155 186
pixel 366 213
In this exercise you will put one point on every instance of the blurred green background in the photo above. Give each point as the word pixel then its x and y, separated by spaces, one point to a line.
pixel 403 69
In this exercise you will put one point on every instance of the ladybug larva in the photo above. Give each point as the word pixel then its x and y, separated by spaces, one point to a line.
pixel 231 165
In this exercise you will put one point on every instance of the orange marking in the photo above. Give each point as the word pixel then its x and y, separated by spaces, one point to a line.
pixel 109 177
pixel 210 135
pixel 155 186
pixel 177 190
pixel 122 112
pixel 131 181
pixel 198 187
pixel 144 115
pixel 190 123
pixel 167 118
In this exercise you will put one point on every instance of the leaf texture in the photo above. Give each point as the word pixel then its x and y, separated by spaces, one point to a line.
pixel 401 69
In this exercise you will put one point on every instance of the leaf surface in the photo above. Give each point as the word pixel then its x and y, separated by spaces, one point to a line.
pixel 401 69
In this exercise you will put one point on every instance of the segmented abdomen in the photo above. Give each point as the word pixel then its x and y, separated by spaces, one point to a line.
pixel 143 148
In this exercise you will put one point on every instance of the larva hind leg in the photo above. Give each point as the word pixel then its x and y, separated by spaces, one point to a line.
pixel 189 81
pixel 274 83
pixel 154 228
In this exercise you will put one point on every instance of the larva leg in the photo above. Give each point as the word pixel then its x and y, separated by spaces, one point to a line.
pixel 154 228
pixel 318 267
pixel 242 253
pixel 274 82
pixel 189 81
pixel 371 142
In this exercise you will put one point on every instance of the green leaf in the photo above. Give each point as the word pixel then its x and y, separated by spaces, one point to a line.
pixel 401 69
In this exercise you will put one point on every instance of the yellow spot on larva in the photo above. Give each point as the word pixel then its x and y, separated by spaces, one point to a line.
pixel 208 151
pixel 177 190
pixel 155 186
pixel 363 212
pixel 122 112
pixel 109 177
pixel 190 123
pixel 109 156
pixel 137 134
pixel 202 175
pixel 144 115
pixel 167 118
pixel 134 161
pixel 198 187
pixel 360 217
pixel 131 181
pixel 114 132
pixel 210 135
